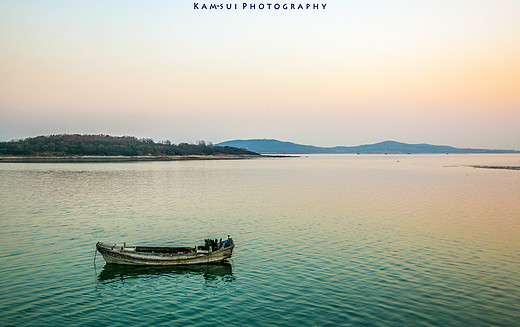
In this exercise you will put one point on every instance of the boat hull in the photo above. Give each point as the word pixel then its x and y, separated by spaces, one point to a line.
pixel 128 256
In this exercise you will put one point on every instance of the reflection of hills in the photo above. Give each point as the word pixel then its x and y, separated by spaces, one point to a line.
pixel 112 272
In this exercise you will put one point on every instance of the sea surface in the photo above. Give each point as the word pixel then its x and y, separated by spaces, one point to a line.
pixel 321 240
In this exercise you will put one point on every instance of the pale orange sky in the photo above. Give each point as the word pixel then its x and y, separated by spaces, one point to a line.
pixel 443 72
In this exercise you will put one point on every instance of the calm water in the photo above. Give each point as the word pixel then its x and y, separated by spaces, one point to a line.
pixel 321 241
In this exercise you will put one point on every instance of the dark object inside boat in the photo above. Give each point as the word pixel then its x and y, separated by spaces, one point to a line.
pixel 163 249
pixel 214 244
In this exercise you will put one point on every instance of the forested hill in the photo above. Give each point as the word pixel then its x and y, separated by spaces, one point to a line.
pixel 105 145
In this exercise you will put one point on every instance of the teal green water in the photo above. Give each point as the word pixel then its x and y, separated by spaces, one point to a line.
pixel 321 241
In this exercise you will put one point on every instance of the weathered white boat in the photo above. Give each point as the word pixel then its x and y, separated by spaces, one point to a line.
pixel 212 251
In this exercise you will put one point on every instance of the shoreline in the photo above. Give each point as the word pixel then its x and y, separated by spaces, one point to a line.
pixel 496 167
pixel 79 159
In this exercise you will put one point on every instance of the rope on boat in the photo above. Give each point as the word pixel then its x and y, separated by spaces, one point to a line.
pixel 95 253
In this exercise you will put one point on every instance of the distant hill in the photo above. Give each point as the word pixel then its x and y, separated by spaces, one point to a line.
pixel 278 147
pixel 106 145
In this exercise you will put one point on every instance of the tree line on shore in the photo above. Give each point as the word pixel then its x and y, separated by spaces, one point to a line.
pixel 106 145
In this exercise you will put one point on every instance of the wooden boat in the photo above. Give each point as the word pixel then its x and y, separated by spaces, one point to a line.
pixel 212 251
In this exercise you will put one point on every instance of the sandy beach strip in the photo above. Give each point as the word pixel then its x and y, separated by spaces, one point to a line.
pixel 64 159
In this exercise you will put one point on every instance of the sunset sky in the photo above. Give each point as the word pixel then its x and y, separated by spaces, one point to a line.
pixel 357 72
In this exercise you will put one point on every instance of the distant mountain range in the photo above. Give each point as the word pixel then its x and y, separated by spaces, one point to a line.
pixel 270 146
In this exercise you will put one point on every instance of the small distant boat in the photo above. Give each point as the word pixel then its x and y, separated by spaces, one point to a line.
pixel 211 252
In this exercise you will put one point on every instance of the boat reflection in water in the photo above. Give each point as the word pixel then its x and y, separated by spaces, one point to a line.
pixel 211 272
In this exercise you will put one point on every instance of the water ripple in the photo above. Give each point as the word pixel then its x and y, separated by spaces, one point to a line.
pixel 349 241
